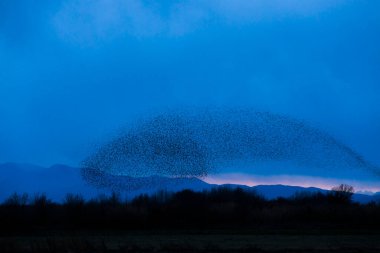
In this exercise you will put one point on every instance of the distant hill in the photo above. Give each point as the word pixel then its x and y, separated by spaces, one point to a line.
pixel 58 180
pixel 55 181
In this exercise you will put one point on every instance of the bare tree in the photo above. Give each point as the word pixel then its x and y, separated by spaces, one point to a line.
pixel 17 200
pixel 345 188
pixel 343 193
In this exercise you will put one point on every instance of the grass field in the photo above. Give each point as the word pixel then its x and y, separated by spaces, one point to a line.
pixel 192 241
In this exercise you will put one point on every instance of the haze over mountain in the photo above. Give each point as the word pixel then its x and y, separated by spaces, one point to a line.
pixel 58 180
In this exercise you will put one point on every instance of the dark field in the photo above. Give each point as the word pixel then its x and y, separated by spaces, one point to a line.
pixel 221 220
pixel 194 241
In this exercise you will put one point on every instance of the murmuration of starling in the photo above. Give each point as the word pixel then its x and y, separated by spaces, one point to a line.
pixel 194 143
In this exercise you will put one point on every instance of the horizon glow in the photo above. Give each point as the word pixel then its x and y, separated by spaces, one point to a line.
pixel 291 180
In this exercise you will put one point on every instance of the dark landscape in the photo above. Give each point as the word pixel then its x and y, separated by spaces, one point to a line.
pixel 189 126
pixel 219 220
pixel 202 218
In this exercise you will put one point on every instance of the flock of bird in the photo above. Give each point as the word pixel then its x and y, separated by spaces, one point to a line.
pixel 194 143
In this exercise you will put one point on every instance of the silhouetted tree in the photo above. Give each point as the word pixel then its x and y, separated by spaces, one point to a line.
pixel 41 201
pixel 220 207
pixel 17 200
pixel 342 193
pixel 74 200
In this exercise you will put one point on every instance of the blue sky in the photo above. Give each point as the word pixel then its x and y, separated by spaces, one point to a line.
pixel 74 72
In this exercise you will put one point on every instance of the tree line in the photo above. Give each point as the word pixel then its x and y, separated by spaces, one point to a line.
pixel 221 207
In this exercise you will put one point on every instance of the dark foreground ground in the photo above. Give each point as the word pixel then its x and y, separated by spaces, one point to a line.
pixel 221 220
pixel 196 241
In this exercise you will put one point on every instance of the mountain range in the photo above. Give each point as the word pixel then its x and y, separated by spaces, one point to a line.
pixel 58 180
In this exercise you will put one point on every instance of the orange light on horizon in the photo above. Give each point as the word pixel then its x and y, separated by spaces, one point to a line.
pixel 291 180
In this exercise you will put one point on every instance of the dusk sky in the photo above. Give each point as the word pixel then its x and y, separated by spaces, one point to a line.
pixel 72 73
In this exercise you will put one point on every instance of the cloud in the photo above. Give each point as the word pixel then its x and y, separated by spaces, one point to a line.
pixel 84 21
pixel 256 10
pixel 88 21
pixel 24 22
pixel 315 60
